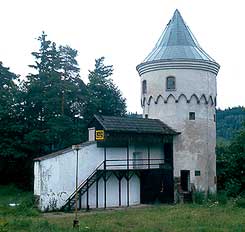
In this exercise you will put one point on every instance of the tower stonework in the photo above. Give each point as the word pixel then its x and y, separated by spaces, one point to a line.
pixel 179 87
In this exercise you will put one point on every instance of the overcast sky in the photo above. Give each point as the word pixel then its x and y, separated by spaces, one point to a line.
pixel 125 31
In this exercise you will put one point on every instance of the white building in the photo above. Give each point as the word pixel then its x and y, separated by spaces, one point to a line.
pixel 130 161
pixel 130 165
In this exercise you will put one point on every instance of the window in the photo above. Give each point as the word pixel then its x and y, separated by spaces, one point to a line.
pixel 146 115
pixel 192 116
pixel 197 173
pixel 214 118
pixel 170 84
pixel 144 87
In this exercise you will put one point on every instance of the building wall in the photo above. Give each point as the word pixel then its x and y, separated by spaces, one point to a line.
pixel 194 148
pixel 54 177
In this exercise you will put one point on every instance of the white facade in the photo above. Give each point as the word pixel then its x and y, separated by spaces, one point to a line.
pixel 194 148
pixel 187 103
pixel 54 175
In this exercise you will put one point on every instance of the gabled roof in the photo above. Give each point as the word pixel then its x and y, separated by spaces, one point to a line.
pixel 177 43
pixel 134 125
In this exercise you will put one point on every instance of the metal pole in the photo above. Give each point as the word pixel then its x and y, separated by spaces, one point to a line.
pixel 76 222
pixel 128 175
pixel 105 177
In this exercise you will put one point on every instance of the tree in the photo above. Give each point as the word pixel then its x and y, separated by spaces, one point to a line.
pixel 231 165
pixel 50 109
pixel 229 121
pixel 8 113
pixel 11 128
pixel 104 96
pixel 54 99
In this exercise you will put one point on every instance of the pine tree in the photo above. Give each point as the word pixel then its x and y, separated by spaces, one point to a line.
pixel 104 96
pixel 8 113
pixel 54 99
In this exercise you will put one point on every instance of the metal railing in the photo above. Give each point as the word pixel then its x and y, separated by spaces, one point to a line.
pixel 133 163
pixel 120 164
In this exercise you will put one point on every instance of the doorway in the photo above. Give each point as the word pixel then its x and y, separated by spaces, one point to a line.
pixel 156 186
pixel 185 180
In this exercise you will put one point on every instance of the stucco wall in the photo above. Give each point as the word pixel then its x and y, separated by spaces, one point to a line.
pixel 194 148
pixel 55 177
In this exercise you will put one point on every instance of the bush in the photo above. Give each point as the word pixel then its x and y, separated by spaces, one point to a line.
pixel 212 197
pixel 199 197
pixel 240 202
pixel 23 200
pixel 232 187
pixel 222 197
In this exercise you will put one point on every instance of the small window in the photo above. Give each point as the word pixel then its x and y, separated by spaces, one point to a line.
pixel 214 118
pixel 192 116
pixel 146 115
pixel 170 84
pixel 144 87
pixel 197 173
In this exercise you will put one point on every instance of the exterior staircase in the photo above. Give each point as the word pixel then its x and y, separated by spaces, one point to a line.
pixel 100 172
pixel 83 188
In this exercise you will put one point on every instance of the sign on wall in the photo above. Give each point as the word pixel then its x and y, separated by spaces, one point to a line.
pixel 99 135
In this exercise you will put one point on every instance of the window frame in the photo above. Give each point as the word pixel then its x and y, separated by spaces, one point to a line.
pixel 144 87
pixel 167 80
pixel 192 116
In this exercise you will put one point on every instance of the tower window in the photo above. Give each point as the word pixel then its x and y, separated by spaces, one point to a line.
pixel 170 83
pixel 192 116
pixel 144 87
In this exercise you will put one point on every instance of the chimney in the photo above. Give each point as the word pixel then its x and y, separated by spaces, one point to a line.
pixel 91 134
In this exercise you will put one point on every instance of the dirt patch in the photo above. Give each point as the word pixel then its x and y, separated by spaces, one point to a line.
pixel 91 211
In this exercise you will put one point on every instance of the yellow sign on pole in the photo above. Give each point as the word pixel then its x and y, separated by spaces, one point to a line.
pixel 99 135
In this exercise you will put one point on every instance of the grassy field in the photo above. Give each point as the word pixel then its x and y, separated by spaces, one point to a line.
pixel 188 217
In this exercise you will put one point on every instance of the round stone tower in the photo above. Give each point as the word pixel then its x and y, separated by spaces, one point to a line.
pixel 178 80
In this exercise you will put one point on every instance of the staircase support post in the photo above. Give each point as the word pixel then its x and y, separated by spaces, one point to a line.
pixel 97 201
pixel 87 196
pixel 105 190
pixel 148 153
pixel 80 201
pixel 119 191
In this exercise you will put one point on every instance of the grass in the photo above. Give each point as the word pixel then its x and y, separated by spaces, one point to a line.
pixel 185 217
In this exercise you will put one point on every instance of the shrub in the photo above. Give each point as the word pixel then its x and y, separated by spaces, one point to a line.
pixel 199 197
pixel 23 200
pixel 212 197
pixel 240 202
pixel 232 187
pixel 222 197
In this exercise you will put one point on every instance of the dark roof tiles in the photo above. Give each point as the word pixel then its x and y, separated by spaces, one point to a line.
pixel 136 125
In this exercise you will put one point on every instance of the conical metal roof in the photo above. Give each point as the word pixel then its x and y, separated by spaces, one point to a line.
pixel 177 43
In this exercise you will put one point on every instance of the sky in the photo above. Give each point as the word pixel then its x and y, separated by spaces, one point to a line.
pixel 124 32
